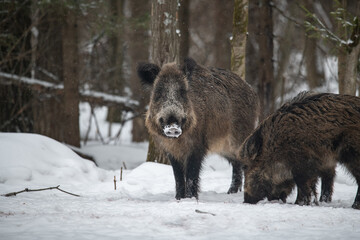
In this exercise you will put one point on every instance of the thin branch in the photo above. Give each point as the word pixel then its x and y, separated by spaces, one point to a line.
pixel 323 30
pixel 122 123
pixel 291 19
pixel 97 126
pixel 37 190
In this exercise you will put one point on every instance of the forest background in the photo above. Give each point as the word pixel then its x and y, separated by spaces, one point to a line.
pixel 57 54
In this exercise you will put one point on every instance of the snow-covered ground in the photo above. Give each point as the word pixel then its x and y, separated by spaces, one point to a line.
pixel 143 206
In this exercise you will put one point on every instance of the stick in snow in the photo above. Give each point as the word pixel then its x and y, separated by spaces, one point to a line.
pixel 198 211
pixel 37 190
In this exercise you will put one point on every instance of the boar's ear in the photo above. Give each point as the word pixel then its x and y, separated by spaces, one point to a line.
pixel 189 66
pixel 147 73
pixel 254 143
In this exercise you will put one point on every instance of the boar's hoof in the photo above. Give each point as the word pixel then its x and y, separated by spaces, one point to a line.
pixel 356 205
pixel 304 201
pixel 250 199
pixel 178 197
pixel 233 189
pixel 191 189
pixel 325 198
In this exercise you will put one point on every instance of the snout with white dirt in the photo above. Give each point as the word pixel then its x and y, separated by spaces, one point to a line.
pixel 172 131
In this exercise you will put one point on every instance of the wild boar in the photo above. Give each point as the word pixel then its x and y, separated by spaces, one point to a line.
pixel 300 142
pixel 193 111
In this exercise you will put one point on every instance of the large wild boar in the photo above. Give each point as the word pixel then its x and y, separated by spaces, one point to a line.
pixel 300 142
pixel 196 110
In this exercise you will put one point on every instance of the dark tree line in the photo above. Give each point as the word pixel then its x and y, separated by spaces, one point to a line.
pixel 76 45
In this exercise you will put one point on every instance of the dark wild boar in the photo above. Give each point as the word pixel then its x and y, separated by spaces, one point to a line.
pixel 300 142
pixel 194 111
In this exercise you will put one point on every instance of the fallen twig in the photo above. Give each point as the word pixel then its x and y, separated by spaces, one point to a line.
pixel 37 190
pixel 198 211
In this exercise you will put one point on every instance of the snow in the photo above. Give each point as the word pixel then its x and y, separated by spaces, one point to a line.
pixel 143 206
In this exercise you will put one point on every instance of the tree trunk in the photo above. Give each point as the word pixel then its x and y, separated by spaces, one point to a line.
pixel 117 45
pixel 223 28
pixel 34 36
pixel 348 63
pixel 184 25
pixel 348 58
pixel 137 28
pixel 71 79
pixel 259 45
pixel 238 43
pixel 314 72
pixel 165 39
pixel 116 76
pixel 164 49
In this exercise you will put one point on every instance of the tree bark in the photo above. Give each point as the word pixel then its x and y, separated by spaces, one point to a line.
pixel 164 49
pixel 116 44
pixel 184 25
pixel 259 45
pixel 347 79
pixel 164 24
pixel 238 43
pixel 71 79
pixel 348 58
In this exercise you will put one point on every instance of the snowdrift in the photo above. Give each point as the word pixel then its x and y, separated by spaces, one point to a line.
pixel 41 160
pixel 143 206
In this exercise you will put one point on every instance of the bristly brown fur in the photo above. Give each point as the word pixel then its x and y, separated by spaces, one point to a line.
pixel 216 110
pixel 306 137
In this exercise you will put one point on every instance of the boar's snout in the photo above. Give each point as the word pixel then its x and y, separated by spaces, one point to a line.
pixel 172 125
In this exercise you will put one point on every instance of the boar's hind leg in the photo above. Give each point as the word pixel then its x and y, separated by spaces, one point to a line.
pixel 193 168
pixel 349 155
pixel 304 188
pixel 327 183
pixel 236 182
pixel 354 168
pixel 178 169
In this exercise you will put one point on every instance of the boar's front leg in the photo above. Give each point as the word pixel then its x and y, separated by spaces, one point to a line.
pixel 327 183
pixel 178 169
pixel 236 182
pixel 193 167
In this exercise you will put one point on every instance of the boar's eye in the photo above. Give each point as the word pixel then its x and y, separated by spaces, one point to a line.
pixel 182 93
pixel 157 97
